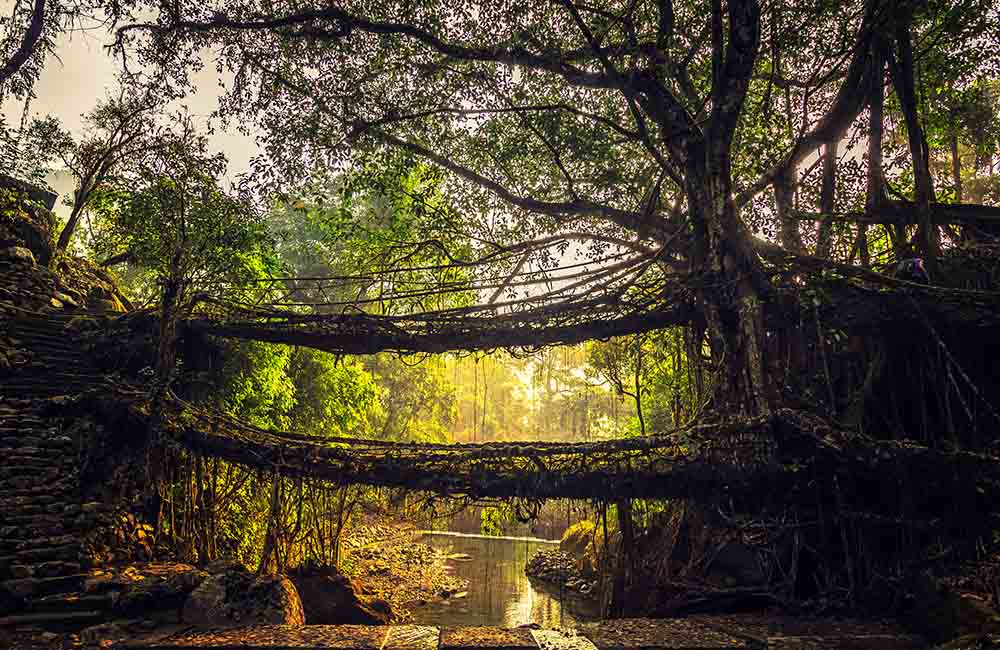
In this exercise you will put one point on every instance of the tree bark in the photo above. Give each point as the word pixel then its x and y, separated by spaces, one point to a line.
pixel 956 167
pixel 788 227
pixel 729 295
pixel 875 191
pixel 905 86
pixel 827 199
pixel 29 44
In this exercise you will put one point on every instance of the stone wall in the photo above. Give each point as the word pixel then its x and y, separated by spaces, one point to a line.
pixel 42 519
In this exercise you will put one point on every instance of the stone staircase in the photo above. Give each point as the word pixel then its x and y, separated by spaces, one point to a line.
pixel 42 517
pixel 56 363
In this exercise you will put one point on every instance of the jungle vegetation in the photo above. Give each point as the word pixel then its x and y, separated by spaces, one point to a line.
pixel 741 161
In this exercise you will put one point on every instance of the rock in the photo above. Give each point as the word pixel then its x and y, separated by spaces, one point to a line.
pixel 9 601
pixel 237 597
pixel 163 590
pixel 577 537
pixel 942 613
pixel 18 254
pixel 103 635
pixel 65 299
pixel 558 569
pixel 736 565
pixel 972 642
pixel 330 598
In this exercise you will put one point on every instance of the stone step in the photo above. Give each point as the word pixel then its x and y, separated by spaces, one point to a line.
pixel 22 470
pixel 50 446
pixel 54 621
pixel 847 642
pixel 56 490
pixel 46 519
pixel 40 372
pixel 66 552
pixel 61 385
pixel 25 480
pixel 41 389
pixel 53 339
pixel 36 460
pixel 20 426
pixel 37 530
pixel 38 587
pixel 55 569
pixel 16 546
pixel 74 602
pixel 13 479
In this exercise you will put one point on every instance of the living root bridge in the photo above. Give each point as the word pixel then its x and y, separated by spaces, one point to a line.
pixel 851 298
pixel 783 458
pixel 438 333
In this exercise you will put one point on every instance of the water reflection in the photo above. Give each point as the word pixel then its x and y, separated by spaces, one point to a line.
pixel 499 592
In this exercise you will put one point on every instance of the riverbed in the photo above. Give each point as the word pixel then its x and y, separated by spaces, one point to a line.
pixel 499 592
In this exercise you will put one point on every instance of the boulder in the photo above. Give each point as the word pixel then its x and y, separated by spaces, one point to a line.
pixel 27 226
pixel 9 601
pixel 103 635
pixel 736 565
pixel 18 254
pixel 162 589
pixel 330 598
pixel 238 597
pixel 943 613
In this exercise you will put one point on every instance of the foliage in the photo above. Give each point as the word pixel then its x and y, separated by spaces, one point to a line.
pixel 257 386
pixel 493 519
pixel 120 133
pixel 333 396
pixel 383 227
pixel 417 401
pixel 173 219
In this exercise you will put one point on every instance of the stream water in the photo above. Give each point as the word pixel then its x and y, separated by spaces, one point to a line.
pixel 499 592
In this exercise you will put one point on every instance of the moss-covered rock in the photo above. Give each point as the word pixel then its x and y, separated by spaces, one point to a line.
pixel 330 598
pixel 238 597
pixel 25 225
pixel 942 613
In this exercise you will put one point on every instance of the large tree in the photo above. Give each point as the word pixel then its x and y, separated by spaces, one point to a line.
pixel 653 124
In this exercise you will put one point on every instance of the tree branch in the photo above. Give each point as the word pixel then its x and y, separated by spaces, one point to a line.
pixel 29 43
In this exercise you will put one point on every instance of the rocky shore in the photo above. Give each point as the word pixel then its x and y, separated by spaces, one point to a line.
pixel 389 563
pixel 559 570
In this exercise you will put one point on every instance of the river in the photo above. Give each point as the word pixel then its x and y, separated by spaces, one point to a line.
pixel 499 592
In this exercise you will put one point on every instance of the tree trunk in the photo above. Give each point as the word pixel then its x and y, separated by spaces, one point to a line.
pixel 730 293
pixel 619 605
pixel 827 203
pixel 875 194
pixel 74 219
pixel 956 167
pixel 638 384
pixel 788 227
pixel 905 85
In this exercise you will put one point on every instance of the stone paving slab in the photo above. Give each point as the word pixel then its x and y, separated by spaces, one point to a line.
pixel 856 642
pixel 487 638
pixel 662 634
pixel 272 637
pixel 561 640
pixel 620 634
pixel 412 637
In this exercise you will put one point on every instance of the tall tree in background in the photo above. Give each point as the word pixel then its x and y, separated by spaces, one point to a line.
pixel 120 131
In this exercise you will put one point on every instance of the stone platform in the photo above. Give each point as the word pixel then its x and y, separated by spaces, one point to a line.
pixel 621 634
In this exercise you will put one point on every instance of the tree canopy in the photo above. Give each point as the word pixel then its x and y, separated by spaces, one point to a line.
pixel 656 126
